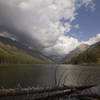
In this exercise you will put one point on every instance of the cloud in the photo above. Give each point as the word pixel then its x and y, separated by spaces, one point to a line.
pixel 62 46
pixel 38 22
pixel 93 39
pixel 88 4
pixel 77 26
pixel 5 34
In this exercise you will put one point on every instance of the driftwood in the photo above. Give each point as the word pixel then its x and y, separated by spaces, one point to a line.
pixel 95 96
pixel 57 90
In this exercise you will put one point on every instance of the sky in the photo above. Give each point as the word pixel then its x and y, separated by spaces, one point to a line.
pixel 88 22
pixel 55 27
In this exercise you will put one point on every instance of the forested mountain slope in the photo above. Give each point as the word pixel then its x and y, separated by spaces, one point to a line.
pixel 14 52
pixel 90 56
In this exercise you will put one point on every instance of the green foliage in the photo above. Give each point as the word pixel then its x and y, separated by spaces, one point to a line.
pixel 90 56
pixel 12 55
pixel 17 47
pixel 86 57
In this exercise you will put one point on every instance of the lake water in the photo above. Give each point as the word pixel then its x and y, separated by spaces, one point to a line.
pixel 44 76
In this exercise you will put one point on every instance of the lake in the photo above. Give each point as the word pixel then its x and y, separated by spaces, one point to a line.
pixel 44 76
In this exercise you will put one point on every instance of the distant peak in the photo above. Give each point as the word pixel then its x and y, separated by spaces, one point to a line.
pixel 83 46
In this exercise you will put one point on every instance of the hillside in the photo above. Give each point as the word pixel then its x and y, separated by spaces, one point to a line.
pixel 90 56
pixel 81 48
pixel 15 52
pixel 56 58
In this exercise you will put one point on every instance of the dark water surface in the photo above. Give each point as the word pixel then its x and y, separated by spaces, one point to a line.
pixel 44 75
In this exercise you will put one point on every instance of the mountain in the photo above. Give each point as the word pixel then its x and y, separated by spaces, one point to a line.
pixel 12 51
pixel 81 48
pixel 56 58
pixel 90 56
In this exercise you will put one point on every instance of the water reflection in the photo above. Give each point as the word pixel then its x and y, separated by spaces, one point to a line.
pixel 44 76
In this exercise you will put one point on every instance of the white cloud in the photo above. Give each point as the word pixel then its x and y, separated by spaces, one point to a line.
pixel 41 20
pixel 93 39
pixel 77 26
pixel 7 35
pixel 63 45
pixel 87 3
pixel 24 6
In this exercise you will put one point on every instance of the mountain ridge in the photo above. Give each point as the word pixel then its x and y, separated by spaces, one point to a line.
pixel 81 48
pixel 90 56
pixel 6 42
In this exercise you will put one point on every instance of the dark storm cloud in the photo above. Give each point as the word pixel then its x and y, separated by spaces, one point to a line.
pixel 10 22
